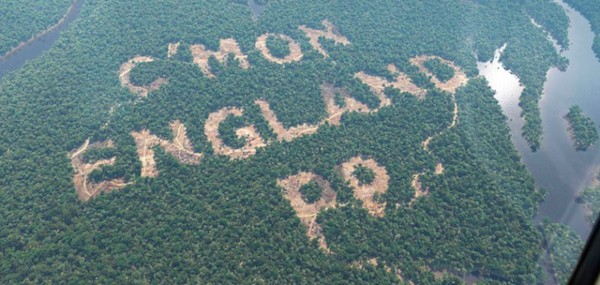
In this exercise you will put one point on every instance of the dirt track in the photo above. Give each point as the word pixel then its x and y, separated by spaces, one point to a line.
pixel 84 188
pixel 329 33
pixel 366 193
pixel 181 148
pixel 226 47
pixel 459 79
pixel 125 77
pixel 308 212
pixel 419 192
pixel 295 50
pixel 211 130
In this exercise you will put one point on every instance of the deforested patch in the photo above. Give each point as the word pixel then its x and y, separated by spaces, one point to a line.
pixel 308 212
pixel 295 50
pixel 181 148
pixel 282 133
pixel 402 82
pixel 330 33
pixel 418 187
pixel 125 77
pixel 334 111
pixel 201 54
pixel 211 130
pixel 172 49
pixel 86 189
pixel 459 79
pixel 367 192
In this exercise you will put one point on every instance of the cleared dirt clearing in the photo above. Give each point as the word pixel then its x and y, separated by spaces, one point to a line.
pixel 226 47
pixel 460 77
pixel 181 148
pixel 402 83
pixel 282 133
pixel 172 49
pixel 86 189
pixel 439 169
pixel 330 33
pixel 295 50
pixel 366 193
pixel 125 77
pixel 308 212
pixel 334 111
pixel 211 130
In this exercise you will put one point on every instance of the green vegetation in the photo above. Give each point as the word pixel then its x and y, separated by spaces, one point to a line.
pixel 442 71
pixel 339 100
pixel 227 131
pixel 591 197
pixel 225 221
pixel 278 47
pixel 311 192
pixel 364 175
pixel 582 128
pixel 564 247
pixel 24 19
pixel 96 154
pixel 590 9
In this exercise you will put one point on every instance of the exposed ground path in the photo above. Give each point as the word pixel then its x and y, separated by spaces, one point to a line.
pixel 459 79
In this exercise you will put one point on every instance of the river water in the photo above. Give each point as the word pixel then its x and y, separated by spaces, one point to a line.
pixel 556 166
pixel 40 45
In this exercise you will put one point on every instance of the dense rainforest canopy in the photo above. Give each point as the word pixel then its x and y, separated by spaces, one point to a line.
pixel 458 205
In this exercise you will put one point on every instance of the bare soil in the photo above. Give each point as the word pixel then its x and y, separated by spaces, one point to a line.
pixel 181 148
pixel 329 33
pixel 295 50
pixel 172 49
pixel 305 211
pixel 86 189
pixel 460 77
pixel 211 129
pixel 363 192
pixel 125 77
pixel 402 83
pixel 334 111
pixel 282 133
pixel 439 169
pixel 419 191
pixel 226 47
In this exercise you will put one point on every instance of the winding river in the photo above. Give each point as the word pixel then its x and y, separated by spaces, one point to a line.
pixel 39 44
pixel 556 166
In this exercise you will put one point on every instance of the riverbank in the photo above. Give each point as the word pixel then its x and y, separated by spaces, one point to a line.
pixel 557 167
pixel 42 43
pixel 60 22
